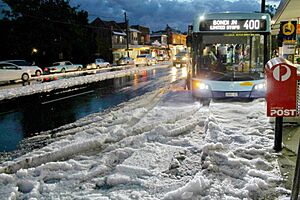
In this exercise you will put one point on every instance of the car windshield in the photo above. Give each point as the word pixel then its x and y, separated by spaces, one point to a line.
pixel 180 54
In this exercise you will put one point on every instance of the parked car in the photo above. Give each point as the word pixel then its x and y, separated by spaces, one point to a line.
pixel 181 58
pixel 63 66
pixel 99 63
pixel 145 59
pixel 125 61
pixel 162 57
pixel 13 72
pixel 33 69
pixel 152 61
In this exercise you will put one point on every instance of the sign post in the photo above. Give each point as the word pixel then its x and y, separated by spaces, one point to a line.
pixel 296 181
pixel 278 134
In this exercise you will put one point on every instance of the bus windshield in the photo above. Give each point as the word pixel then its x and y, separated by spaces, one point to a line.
pixel 230 46
pixel 231 57
pixel 229 51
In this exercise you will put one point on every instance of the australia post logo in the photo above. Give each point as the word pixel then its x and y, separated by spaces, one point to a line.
pixel 283 112
pixel 281 72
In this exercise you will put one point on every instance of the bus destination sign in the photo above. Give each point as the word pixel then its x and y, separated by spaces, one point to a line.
pixel 233 25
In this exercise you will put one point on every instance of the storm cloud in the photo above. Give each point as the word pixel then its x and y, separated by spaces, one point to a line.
pixel 156 14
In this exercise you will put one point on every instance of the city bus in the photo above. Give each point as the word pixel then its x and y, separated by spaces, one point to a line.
pixel 229 51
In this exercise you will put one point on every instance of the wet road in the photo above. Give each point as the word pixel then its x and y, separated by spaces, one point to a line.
pixel 30 117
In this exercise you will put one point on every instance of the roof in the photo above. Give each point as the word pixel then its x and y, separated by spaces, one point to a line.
pixel 141 28
pixel 108 24
pixel 287 10
pixel 134 30
pixel 119 33
pixel 158 35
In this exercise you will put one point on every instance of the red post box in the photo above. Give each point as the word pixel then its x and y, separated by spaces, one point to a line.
pixel 282 88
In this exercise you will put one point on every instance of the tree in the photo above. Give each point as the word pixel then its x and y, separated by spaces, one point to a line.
pixel 53 27
pixel 271 9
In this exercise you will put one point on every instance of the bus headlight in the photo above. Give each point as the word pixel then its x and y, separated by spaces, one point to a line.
pixel 260 86
pixel 200 86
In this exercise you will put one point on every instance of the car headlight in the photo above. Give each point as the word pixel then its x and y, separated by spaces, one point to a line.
pixel 260 86
pixel 184 58
pixel 174 58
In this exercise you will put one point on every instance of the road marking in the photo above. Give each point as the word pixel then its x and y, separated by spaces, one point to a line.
pixel 67 97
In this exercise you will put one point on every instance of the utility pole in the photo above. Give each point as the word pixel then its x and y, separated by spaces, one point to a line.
pixel 127 33
pixel 266 53
pixel 263 6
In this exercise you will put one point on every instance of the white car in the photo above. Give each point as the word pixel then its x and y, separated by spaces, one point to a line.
pixel 63 67
pixel 99 63
pixel 33 70
pixel 12 72
pixel 145 59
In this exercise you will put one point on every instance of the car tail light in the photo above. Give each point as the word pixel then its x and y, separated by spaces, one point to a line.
pixel 46 69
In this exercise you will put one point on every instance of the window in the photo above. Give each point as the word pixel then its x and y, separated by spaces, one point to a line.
pixel 20 62
pixel 7 66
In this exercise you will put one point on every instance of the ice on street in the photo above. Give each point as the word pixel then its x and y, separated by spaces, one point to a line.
pixel 162 145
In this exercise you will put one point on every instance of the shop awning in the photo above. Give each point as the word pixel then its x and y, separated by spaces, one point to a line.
pixel 287 10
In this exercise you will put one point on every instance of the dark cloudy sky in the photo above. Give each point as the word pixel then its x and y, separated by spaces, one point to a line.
pixel 155 14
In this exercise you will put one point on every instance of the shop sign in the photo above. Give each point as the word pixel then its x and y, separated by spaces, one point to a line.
pixel 288 31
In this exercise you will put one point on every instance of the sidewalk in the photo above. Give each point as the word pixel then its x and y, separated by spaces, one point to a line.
pixel 287 161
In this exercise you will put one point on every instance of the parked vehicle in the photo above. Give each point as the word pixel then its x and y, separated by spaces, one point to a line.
pixel 145 59
pixel 162 57
pixel 181 58
pixel 125 61
pixel 63 66
pixel 99 63
pixel 152 61
pixel 13 72
pixel 33 69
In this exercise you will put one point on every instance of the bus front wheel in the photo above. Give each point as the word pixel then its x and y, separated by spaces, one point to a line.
pixel 205 101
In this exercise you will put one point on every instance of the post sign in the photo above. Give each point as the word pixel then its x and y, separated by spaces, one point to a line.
pixel 281 88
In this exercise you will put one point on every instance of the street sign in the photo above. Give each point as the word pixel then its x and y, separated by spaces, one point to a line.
pixel 288 31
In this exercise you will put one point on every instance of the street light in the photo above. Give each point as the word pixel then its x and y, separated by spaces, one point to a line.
pixel 34 50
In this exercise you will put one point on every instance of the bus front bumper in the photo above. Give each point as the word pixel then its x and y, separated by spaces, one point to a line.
pixel 204 90
pixel 205 94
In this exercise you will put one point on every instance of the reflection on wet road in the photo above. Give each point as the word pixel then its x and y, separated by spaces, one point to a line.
pixel 30 117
